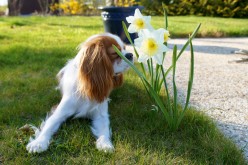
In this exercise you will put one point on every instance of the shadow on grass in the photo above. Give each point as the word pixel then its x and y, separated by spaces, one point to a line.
pixel 22 23
pixel 140 135
pixel 26 56
pixel 15 22
pixel 4 37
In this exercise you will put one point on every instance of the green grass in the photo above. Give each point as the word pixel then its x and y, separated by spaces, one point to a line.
pixel 182 26
pixel 179 26
pixel 32 51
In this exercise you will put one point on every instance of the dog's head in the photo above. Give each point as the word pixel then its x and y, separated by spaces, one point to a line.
pixel 101 67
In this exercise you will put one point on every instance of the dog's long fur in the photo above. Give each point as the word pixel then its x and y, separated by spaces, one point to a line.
pixel 85 83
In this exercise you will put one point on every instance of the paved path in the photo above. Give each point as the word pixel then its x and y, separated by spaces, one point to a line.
pixel 220 86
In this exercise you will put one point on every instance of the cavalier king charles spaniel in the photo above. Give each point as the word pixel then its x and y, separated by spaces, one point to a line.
pixel 85 83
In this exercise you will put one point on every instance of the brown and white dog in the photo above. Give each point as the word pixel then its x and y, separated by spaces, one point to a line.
pixel 85 83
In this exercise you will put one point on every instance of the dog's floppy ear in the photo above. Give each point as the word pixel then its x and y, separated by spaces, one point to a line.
pixel 95 72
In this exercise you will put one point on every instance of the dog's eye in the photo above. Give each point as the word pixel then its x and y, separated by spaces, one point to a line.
pixel 114 55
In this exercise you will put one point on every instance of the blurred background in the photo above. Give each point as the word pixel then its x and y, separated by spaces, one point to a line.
pixel 213 8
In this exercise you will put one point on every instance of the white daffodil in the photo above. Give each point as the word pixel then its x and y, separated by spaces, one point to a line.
pixel 151 45
pixel 165 33
pixel 138 22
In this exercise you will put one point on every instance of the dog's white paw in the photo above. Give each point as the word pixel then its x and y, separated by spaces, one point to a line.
pixel 104 144
pixel 37 146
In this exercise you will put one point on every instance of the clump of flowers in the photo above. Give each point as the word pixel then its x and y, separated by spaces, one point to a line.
pixel 150 48
pixel 68 7
pixel 122 3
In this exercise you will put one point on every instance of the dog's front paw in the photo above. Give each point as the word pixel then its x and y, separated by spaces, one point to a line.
pixel 104 144
pixel 37 146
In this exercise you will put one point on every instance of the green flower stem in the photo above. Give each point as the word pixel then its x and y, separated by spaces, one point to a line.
pixel 165 17
pixel 152 73
pixel 149 67
pixel 167 92
pixel 157 79
pixel 174 81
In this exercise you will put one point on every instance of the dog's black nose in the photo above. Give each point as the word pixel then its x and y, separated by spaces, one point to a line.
pixel 129 56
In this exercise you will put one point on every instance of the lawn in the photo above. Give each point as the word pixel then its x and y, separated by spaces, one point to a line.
pixel 32 51
pixel 181 26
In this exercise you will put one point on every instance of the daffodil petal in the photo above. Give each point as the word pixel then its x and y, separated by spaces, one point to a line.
pixel 158 58
pixel 147 32
pixel 149 26
pixel 130 19
pixel 137 13
pixel 164 34
pixel 142 58
pixel 159 35
pixel 161 30
pixel 131 28
pixel 138 41
pixel 163 48
pixel 148 18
